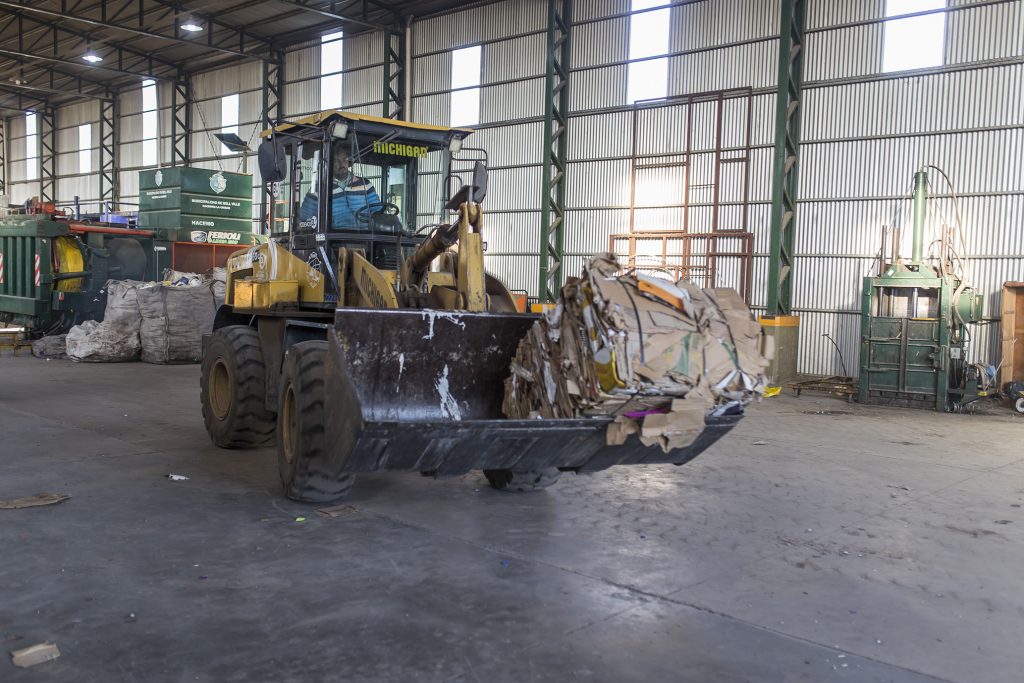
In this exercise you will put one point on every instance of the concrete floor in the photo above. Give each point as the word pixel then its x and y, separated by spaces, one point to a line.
pixel 819 541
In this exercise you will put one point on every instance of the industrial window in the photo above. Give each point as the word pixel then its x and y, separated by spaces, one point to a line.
pixel 331 64
pixel 466 86
pixel 31 147
pixel 85 148
pixel 150 127
pixel 914 42
pixel 648 37
pixel 228 118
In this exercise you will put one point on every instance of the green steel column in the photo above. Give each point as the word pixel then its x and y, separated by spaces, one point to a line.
pixel 181 120
pixel 110 195
pixel 920 204
pixel 394 76
pixel 556 119
pixel 273 89
pixel 3 155
pixel 273 109
pixel 47 123
pixel 787 154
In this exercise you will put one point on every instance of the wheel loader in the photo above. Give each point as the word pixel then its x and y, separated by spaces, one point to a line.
pixel 366 334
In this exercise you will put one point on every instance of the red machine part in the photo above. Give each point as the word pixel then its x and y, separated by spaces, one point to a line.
pixel 78 227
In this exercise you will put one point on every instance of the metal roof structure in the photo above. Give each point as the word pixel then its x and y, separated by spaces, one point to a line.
pixel 57 51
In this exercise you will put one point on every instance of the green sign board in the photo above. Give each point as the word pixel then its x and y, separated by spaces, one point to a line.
pixel 187 222
pixel 197 204
pixel 198 181
pixel 173 198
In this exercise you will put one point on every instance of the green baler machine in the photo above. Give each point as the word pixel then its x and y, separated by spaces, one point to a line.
pixel 914 317
pixel 53 268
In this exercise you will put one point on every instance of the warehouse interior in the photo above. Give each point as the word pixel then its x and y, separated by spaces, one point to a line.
pixel 669 340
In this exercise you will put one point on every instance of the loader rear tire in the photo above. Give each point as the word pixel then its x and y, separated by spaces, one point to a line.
pixel 232 389
pixel 522 481
pixel 300 427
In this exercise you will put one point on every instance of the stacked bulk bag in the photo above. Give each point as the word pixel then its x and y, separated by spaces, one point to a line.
pixel 174 318
pixel 116 339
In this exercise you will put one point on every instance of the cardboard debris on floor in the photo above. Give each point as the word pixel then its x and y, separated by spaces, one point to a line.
pixel 35 501
pixel 337 511
pixel 657 356
pixel 36 654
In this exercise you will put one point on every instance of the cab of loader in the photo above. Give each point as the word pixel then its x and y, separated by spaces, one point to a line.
pixel 368 184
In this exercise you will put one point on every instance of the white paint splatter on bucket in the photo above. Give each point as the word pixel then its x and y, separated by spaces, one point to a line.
pixel 431 315
pixel 449 406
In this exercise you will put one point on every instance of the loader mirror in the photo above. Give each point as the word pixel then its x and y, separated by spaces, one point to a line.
pixel 471 193
pixel 273 166
pixel 479 181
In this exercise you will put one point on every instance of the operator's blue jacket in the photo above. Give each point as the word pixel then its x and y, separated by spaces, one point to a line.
pixel 346 200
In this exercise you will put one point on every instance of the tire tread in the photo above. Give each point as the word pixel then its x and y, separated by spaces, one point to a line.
pixel 250 423
pixel 305 480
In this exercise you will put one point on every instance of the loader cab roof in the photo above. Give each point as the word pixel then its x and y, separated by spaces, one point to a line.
pixel 376 127
pixel 383 178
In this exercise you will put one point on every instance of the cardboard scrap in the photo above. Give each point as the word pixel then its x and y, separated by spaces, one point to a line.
pixel 36 654
pixel 37 500
pixel 337 510
pixel 655 355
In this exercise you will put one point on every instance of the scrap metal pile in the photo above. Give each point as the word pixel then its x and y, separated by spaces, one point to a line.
pixel 657 356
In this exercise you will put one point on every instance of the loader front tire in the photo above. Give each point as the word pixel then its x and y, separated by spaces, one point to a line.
pixel 522 481
pixel 300 427
pixel 232 389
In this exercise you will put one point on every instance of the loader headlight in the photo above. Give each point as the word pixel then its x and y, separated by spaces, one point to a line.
pixel 455 145
pixel 339 131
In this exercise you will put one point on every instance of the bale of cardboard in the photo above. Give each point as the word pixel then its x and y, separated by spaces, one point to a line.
pixel 656 356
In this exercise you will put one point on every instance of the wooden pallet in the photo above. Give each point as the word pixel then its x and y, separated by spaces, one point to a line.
pixel 11 338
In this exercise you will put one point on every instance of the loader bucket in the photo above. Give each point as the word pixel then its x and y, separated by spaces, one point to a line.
pixel 422 390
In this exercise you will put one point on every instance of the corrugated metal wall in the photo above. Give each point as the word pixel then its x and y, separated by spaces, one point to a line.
pixel 71 182
pixel 865 133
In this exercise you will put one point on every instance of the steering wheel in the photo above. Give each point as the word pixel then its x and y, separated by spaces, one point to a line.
pixel 363 213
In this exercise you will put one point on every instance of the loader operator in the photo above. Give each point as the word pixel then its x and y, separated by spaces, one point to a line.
pixel 349 194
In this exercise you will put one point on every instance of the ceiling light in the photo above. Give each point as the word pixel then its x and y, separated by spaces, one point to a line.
pixel 92 57
pixel 191 25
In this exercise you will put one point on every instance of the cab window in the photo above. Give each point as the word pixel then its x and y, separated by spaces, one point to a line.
pixel 281 199
pixel 370 191
pixel 307 186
